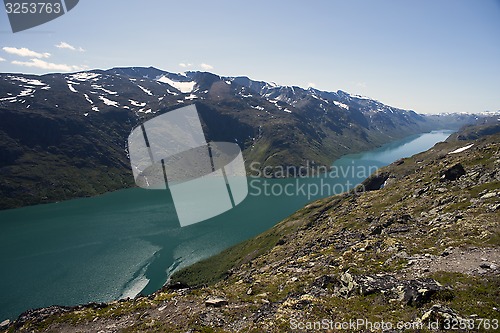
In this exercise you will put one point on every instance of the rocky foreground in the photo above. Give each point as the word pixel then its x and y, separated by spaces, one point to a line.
pixel 419 250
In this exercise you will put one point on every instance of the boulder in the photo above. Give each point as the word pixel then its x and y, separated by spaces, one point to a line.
pixel 216 302
pixel 410 292
pixel 453 173
pixel 345 286
pixel 439 313
pixel 489 195
pixel 4 323
pixel 375 182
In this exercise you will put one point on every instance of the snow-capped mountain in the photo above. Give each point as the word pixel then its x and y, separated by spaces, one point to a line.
pixel 64 135
pixel 147 90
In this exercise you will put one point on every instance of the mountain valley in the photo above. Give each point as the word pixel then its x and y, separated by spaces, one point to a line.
pixel 64 136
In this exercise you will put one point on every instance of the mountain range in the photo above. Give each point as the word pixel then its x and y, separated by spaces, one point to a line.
pixel 64 135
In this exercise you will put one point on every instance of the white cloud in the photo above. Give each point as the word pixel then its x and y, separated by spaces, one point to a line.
pixel 64 45
pixel 361 84
pixel 184 65
pixel 311 85
pixel 2 59
pixel 206 67
pixel 47 65
pixel 24 52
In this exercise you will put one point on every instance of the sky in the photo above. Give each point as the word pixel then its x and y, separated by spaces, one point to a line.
pixel 430 56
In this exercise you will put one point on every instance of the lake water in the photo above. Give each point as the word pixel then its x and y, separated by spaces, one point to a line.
pixel 119 244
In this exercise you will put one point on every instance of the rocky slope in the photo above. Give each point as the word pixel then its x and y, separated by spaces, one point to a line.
pixel 418 244
pixel 64 135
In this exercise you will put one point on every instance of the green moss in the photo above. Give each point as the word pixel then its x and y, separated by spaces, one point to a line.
pixel 472 295
pixel 490 186
pixel 483 160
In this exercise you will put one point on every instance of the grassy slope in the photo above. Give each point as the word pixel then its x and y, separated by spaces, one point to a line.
pixel 272 278
pixel 217 267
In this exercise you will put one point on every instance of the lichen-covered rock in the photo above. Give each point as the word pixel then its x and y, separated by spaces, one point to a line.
pixel 414 292
pixel 216 301
pixel 440 314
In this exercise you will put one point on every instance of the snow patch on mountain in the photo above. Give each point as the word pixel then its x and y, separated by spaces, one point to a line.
pixel 27 81
pixel 185 87
pixel 108 101
pixel 135 103
pixel 26 92
pixel 359 97
pixel 71 88
pixel 84 76
pixel 275 102
pixel 191 97
pixel 98 87
pixel 147 91
pixel 173 93
pixel 88 98
pixel 459 150
pixel 341 105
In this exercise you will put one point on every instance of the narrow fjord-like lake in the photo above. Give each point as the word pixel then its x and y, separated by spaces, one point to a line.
pixel 122 243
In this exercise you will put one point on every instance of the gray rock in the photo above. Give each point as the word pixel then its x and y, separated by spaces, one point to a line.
pixel 389 181
pixel 439 313
pixel 445 253
pixel 485 265
pixel 488 265
pixel 489 195
pixel 216 302
pixel 346 286
pixel 420 191
pixel 5 323
pixel 411 292
pixel 494 207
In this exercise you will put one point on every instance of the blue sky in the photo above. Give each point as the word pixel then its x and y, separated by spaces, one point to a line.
pixel 428 55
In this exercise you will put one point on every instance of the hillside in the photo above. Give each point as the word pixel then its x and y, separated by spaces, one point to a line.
pixel 64 135
pixel 422 248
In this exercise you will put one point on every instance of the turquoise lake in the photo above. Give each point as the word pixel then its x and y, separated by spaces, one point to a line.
pixel 120 244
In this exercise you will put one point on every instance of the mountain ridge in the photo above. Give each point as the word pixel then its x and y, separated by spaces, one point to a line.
pixel 64 135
